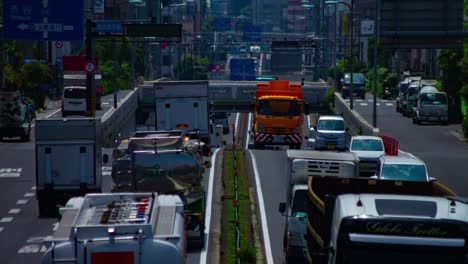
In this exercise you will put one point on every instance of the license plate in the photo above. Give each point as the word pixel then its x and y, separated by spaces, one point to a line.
pixel 330 147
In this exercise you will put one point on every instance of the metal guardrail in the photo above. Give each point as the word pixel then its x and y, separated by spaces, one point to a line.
pixel 354 121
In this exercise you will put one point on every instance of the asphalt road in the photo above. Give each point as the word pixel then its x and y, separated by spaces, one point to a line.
pixel 444 153
pixel 440 147
pixel 21 230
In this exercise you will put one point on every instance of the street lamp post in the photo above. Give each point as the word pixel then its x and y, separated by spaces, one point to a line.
pixel 351 62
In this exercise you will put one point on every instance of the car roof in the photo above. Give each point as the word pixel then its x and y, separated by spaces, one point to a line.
pixel 401 160
pixel 366 138
pixel 75 87
pixel 331 117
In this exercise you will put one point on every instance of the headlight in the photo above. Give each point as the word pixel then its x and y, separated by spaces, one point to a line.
pixel 296 129
pixel 260 127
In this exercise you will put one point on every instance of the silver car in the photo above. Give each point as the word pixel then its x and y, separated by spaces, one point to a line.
pixel 402 168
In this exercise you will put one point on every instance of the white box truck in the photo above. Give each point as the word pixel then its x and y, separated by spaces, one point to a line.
pixel 68 161
pixel 182 105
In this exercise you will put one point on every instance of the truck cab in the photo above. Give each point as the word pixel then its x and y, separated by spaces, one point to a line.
pixel 301 164
pixel 431 106
pixel 330 133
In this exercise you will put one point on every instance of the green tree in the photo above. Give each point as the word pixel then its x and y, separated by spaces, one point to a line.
pixel 193 68
pixel 449 62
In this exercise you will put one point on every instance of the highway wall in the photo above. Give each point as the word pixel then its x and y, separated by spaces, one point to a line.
pixel 119 122
pixel 355 122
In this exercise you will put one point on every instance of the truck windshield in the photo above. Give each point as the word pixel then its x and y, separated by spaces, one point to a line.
pixel 357 78
pixel 299 203
pixel 367 144
pixel 336 125
pixel 433 99
pixel 366 253
pixel 408 172
pixel 279 107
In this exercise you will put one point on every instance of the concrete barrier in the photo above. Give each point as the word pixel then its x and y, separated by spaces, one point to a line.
pixel 355 122
pixel 120 121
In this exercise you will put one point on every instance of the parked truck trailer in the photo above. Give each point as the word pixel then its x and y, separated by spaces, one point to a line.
pixel 15 116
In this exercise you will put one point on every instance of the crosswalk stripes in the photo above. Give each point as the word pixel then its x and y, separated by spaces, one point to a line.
pixel 10 172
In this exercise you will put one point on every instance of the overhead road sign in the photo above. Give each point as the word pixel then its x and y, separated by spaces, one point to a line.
pixel 221 24
pixel 43 20
pixel 167 31
pixel 109 26
pixel 251 33
pixel 421 23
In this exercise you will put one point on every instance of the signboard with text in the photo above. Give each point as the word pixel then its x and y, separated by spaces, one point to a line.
pixel 43 20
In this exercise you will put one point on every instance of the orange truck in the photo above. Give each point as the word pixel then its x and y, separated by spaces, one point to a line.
pixel 278 114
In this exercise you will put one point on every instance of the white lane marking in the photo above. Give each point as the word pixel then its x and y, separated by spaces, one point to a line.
pixel 105 103
pixel 237 124
pixel 209 201
pixel 1 228
pixel 248 134
pixel 29 194
pixel 55 226
pixel 14 211
pixel 364 104
pixel 263 218
pixel 388 104
pixel 53 113
pixel 28 249
pixel 10 172
pixel 33 188
pixel 22 202
pixel 6 219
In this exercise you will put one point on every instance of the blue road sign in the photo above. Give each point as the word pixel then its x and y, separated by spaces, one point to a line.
pixel 222 24
pixel 43 20
pixel 242 69
pixel 251 33
pixel 106 26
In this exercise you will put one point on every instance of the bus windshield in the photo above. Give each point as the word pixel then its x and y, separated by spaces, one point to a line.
pixel 279 107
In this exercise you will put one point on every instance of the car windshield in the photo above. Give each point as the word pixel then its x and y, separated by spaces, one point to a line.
pixel 337 125
pixel 74 93
pixel 367 144
pixel 433 99
pixel 279 107
pixel 408 172
pixel 357 77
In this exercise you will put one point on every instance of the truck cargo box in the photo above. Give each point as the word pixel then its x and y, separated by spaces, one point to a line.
pixel 68 160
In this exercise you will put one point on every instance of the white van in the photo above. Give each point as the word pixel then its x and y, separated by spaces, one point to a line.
pixel 74 100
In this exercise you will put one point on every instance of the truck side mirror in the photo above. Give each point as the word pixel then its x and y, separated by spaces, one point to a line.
pixel 347 129
pixel 105 158
pixel 282 208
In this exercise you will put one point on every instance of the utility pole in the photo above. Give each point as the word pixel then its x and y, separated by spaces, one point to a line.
pixel 114 47
pixel 90 82
pixel 351 62
pixel 376 28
